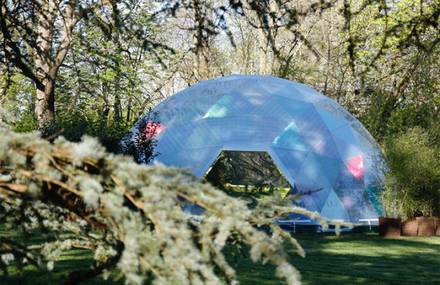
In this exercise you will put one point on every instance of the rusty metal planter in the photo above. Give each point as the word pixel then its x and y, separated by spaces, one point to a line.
pixel 410 227
pixel 426 226
pixel 389 227
pixel 437 224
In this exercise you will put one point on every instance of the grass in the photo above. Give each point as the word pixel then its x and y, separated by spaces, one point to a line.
pixel 357 259
pixel 348 259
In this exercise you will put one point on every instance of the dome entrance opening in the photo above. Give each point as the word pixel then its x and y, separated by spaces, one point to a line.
pixel 247 173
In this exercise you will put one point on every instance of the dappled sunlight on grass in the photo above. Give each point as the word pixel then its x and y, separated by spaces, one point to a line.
pixel 377 246
pixel 357 259
pixel 370 259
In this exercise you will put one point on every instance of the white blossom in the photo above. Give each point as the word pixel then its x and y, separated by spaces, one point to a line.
pixel 7 258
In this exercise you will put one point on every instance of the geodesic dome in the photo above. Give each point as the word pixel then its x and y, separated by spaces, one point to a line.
pixel 320 148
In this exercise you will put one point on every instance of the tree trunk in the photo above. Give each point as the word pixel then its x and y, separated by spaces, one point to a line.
pixel 262 56
pixel 128 117
pixel 117 109
pixel 48 59
pixel 45 100
pixel 45 103
pixel 200 41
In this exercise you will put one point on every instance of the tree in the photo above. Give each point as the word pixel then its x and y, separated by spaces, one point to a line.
pixel 44 28
pixel 211 42
pixel 37 37
pixel 390 47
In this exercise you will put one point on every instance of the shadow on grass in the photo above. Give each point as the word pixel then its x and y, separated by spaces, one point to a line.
pixel 72 260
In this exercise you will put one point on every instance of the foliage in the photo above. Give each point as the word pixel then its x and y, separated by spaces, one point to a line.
pixel 81 53
pixel 74 125
pixel 128 214
pixel 393 51
pixel 413 183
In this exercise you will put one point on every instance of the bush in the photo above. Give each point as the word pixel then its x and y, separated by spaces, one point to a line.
pixel 74 125
pixel 412 186
pixel 27 122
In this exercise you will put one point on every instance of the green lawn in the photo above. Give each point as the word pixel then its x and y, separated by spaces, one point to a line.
pixel 349 259
pixel 358 259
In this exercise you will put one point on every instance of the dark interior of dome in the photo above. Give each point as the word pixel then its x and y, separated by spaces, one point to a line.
pixel 247 172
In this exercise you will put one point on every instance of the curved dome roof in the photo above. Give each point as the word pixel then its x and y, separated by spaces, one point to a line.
pixel 318 146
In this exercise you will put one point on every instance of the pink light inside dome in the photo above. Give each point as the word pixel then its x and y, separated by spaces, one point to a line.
pixel 347 202
pixel 153 129
pixel 355 166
